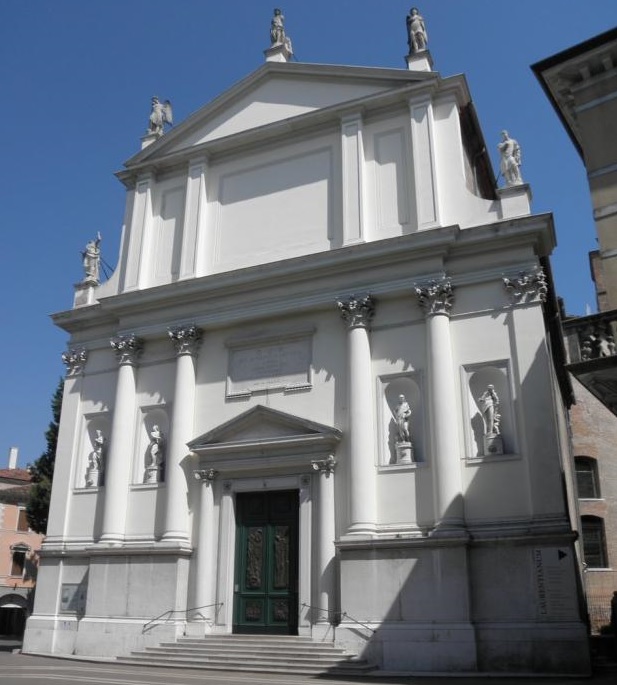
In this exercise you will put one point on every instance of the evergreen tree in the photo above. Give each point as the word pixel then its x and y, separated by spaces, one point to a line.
pixel 42 470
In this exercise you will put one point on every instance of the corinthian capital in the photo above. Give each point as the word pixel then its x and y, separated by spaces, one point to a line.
pixel 357 312
pixel 325 466
pixel 127 348
pixel 435 297
pixel 75 360
pixel 185 338
pixel 206 476
pixel 527 286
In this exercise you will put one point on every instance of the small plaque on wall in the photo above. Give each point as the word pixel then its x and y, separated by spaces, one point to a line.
pixel 261 364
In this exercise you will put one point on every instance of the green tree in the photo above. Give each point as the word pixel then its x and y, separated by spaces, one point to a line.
pixel 42 470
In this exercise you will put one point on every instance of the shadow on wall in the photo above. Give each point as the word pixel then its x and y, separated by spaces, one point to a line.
pixel 499 596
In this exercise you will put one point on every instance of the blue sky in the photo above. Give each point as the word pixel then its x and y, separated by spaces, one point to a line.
pixel 77 78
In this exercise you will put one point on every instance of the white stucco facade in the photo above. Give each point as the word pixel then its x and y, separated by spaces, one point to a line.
pixel 322 241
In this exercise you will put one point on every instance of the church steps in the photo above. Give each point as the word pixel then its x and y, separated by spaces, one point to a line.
pixel 289 654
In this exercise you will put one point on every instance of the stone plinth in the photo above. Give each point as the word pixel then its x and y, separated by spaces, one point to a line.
pixel 419 61
pixel 404 453
pixel 493 444
pixel 514 201
pixel 278 53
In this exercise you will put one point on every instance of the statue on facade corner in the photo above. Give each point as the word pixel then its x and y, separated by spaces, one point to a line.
pixel 160 115
pixel 277 28
pixel 95 460
pixel 510 164
pixel 155 456
pixel 91 260
pixel 417 38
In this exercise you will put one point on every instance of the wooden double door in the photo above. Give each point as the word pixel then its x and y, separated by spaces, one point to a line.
pixel 266 569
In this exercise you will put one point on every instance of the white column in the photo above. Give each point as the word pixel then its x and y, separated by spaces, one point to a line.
pixel 357 314
pixel 205 567
pixel 118 460
pixel 435 298
pixel 186 341
pixel 326 554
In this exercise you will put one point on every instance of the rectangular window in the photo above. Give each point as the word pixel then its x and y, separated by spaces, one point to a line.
pixel 594 543
pixel 586 478
pixel 22 521
pixel 19 562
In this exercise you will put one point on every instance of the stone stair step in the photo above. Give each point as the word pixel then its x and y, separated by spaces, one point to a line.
pixel 275 654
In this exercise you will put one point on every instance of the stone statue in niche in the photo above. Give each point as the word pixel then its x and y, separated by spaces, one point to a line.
pixel 403 445
pixel 154 456
pixel 417 38
pixel 510 163
pixel 160 114
pixel 489 406
pixel 94 471
pixel 91 257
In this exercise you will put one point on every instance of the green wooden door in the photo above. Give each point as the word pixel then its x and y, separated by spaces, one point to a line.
pixel 266 578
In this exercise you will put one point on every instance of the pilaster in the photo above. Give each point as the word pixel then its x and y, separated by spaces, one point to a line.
pixel 353 180
pixel 206 552
pixel 326 554
pixel 425 175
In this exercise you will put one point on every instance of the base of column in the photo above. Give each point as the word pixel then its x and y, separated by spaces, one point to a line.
pixel 366 529
pixel 175 537
pixel 111 539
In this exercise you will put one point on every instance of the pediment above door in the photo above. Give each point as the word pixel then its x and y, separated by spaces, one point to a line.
pixel 264 440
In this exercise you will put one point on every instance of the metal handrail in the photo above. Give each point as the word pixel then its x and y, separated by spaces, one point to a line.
pixel 170 612
pixel 338 616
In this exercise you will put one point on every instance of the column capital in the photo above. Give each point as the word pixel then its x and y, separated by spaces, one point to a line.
pixel 325 466
pixel 75 359
pixel 435 297
pixel 527 286
pixel 357 312
pixel 185 339
pixel 127 348
pixel 206 476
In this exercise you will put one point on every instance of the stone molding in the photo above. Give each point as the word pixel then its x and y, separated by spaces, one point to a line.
pixel 75 359
pixel 528 286
pixel 357 312
pixel 435 297
pixel 127 348
pixel 185 339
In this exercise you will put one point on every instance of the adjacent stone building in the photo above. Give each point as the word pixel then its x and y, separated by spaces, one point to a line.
pixel 329 396
pixel 581 84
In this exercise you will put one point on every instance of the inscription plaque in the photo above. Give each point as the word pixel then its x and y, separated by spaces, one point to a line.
pixel 283 364
pixel 556 595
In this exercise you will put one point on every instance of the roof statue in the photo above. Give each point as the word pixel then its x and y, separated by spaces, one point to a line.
pixel 277 32
pixel 91 257
pixel 417 38
pixel 510 163
pixel 160 115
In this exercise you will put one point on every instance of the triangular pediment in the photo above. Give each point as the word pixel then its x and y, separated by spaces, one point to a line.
pixel 264 426
pixel 275 93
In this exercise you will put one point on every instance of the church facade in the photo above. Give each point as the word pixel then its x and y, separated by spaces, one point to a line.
pixel 316 397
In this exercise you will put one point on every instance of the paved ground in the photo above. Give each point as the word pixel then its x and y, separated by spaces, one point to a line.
pixel 18 669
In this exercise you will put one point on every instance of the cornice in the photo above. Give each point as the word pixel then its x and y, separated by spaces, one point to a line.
pixel 314 281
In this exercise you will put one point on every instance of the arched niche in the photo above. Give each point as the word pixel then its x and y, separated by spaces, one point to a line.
pixel 479 378
pixel 152 417
pixel 391 388
pixel 94 444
